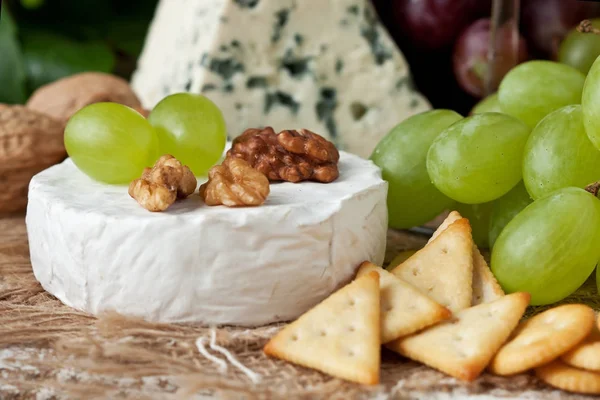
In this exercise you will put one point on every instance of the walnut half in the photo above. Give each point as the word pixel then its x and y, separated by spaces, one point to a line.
pixel 160 186
pixel 169 172
pixel 235 183
pixel 318 152
pixel 292 155
pixel 152 196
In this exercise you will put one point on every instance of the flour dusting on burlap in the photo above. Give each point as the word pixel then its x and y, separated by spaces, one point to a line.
pixel 48 349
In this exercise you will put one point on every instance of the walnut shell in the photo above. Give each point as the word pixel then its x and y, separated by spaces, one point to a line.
pixel 29 143
pixel 64 97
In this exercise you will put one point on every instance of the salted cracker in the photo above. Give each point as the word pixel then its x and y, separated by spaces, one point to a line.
pixel 485 285
pixel 404 309
pixel 571 379
pixel 400 258
pixel 586 355
pixel 443 269
pixel 452 217
pixel 463 346
pixel 340 336
pixel 543 338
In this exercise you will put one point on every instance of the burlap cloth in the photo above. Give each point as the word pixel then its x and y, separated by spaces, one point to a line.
pixel 50 351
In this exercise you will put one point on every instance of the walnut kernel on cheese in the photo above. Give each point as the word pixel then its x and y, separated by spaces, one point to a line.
pixel 235 183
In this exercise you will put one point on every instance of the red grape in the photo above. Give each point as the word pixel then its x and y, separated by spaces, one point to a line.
pixel 483 8
pixel 546 22
pixel 470 58
pixel 433 24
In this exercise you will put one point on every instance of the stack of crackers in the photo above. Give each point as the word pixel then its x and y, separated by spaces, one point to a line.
pixel 442 307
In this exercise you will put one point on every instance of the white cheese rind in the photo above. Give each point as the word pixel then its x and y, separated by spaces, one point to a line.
pixel 328 66
pixel 96 249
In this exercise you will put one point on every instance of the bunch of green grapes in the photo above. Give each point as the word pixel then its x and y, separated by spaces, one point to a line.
pixel 401 155
pixel 112 143
pixel 516 167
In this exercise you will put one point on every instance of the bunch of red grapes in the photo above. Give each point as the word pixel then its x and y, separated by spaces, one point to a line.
pixel 446 42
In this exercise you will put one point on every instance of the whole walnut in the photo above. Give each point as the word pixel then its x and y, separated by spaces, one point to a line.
pixel 291 155
pixel 64 97
pixel 29 143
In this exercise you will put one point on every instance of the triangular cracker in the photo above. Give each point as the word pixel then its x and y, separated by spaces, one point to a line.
pixel 400 258
pixel 485 285
pixel 404 310
pixel 339 336
pixel 463 346
pixel 443 269
pixel 450 219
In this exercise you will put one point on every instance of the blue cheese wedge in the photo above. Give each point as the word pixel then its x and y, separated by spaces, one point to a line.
pixel 328 66
pixel 95 248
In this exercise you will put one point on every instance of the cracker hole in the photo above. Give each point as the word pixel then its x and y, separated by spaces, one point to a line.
pixel 457 338
pixel 389 308
pixel 415 272
pixel 490 314
pixel 461 354
pixel 352 302
pixel 444 251
pixel 323 333
pixel 351 329
pixel 294 337
pixel 350 353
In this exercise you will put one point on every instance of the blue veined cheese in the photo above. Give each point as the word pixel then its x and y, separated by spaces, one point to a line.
pixel 328 66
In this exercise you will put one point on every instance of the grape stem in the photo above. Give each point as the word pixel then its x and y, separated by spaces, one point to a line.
pixel 593 188
pixel 585 26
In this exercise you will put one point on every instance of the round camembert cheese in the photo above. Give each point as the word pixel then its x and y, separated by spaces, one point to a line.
pixel 97 249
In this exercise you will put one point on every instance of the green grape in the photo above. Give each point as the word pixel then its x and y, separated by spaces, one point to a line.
pixel 412 199
pixel 488 104
pixel 110 142
pixel 590 104
pixel 559 154
pixel 533 89
pixel 551 247
pixel 579 50
pixel 506 208
pixel 191 128
pixel 479 219
pixel 479 158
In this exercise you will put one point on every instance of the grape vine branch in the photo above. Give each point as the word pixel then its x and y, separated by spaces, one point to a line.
pixel 585 26
pixel 593 188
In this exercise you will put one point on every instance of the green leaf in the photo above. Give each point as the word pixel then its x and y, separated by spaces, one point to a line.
pixel 128 34
pixel 129 26
pixel 49 57
pixel 32 4
pixel 77 19
pixel 12 72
